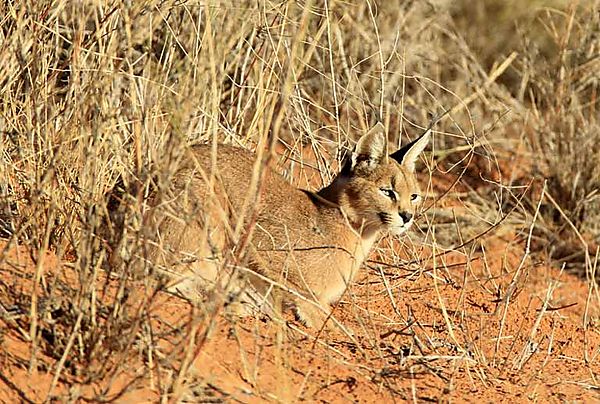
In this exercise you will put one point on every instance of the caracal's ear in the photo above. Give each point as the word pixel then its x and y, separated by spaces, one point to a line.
pixel 407 155
pixel 370 150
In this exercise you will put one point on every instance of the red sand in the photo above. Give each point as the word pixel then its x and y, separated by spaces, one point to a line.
pixel 550 359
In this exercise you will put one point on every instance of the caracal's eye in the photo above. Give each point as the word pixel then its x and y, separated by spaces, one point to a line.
pixel 389 193
pixel 414 198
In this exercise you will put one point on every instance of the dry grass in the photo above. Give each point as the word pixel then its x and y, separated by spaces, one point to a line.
pixel 99 94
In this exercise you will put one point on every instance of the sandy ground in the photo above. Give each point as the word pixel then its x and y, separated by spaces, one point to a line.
pixel 429 335
pixel 479 324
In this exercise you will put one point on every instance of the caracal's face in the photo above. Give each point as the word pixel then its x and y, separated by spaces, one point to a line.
pixel 386 197
pixel 381 191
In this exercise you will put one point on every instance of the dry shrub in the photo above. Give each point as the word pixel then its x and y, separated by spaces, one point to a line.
pixel 555 84
pixel 566 134
pixel 96 94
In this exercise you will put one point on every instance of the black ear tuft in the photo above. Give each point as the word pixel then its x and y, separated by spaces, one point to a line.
pixel 407 155
pixel 346 166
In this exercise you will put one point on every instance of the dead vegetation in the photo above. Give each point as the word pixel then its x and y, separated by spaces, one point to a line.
pixel 471 304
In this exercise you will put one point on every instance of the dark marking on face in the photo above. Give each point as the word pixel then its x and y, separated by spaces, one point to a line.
pixel 385 217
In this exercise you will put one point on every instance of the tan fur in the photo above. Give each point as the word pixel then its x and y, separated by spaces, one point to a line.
pixel 311 243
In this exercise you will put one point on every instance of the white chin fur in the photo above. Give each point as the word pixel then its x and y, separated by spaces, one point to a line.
pixel 399 230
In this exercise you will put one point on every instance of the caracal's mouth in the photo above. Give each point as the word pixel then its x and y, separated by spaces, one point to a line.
pixel 392 224
pixel 399 230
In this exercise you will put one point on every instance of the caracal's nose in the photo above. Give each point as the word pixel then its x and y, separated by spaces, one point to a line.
pixel 406 216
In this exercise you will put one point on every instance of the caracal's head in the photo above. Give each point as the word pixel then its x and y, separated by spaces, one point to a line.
pixel 378 191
